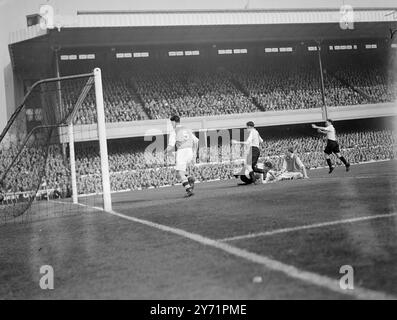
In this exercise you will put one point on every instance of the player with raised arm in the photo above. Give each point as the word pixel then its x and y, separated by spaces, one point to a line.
pixel 186 144
pixel 253 141
pixel 332 144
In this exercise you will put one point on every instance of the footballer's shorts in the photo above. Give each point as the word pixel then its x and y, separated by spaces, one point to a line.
pixel 332 147
pixel 253 156
pixel 183 158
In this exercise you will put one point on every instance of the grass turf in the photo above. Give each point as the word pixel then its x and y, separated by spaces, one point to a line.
pixel 100 256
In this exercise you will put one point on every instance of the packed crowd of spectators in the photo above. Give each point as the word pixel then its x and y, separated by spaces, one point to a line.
pixel 30 166
pixel 371 77
pixel 157 90
pixel 280 84
pixel 133 168
pixel 190 92
pixel 120 101
pixel 286 83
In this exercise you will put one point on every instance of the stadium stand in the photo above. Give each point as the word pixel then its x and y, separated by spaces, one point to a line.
pixel 133 168
pixel 157 90
pixel 190 91
pixel 120 102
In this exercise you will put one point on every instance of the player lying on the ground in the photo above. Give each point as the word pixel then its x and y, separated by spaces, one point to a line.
pixel 253 141
pixel 293 168
pixel 186 144
pixel 332 144
pixel 244 174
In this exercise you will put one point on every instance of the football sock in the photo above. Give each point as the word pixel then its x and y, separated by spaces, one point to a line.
pixel 252 175
pixel 191 181
pixel 256 169
pixel 329 163
pixel 343 160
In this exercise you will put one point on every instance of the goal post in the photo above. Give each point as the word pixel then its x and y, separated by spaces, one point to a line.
pixel 103 149
pixel 101 129
pixel 34 162
pixel 72 159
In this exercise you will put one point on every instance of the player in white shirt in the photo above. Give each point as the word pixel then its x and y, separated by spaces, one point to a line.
pixel 332 144
pixel 253 141
pixel 186 144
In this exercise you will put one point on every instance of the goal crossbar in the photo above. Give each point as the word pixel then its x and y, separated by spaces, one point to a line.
pixel 52 122
pixel 31 89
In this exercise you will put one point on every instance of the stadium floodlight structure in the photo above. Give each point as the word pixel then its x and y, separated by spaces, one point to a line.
pixel 322 86
pixel 34 163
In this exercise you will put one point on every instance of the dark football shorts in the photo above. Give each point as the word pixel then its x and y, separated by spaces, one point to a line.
pixel 253 156
pixel 332 147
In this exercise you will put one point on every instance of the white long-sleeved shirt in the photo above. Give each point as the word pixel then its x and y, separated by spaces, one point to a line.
pixel 254 139
pixel 331 133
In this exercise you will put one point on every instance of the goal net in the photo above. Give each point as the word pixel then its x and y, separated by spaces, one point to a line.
pixel 37 149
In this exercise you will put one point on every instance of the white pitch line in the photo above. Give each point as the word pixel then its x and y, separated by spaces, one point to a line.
pixel 77 204
pixel 289 270
pixel 305 227
pixel 338 178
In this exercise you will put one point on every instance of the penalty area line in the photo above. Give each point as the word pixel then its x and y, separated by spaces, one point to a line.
pixel 308 226
pixel 271 264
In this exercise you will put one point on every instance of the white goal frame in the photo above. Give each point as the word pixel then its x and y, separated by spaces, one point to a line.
pixel 103 150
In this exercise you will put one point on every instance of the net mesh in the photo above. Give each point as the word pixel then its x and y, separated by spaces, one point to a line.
pixel 34 161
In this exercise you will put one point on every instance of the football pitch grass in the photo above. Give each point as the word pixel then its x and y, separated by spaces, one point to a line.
pixel 156 244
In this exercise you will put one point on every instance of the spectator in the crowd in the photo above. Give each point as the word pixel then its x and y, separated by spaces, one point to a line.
pixel 158 90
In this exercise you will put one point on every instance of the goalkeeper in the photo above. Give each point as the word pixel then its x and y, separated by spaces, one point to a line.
pixel 293 168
